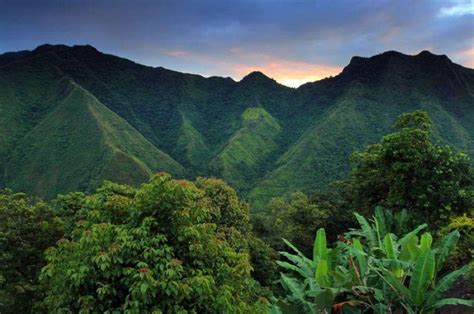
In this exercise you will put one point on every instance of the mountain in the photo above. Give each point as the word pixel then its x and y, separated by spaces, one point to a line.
pixel 71 117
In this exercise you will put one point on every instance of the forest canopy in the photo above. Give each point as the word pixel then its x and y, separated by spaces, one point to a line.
pixel 180 246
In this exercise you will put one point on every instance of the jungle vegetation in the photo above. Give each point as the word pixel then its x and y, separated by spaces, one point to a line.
pixel 396 235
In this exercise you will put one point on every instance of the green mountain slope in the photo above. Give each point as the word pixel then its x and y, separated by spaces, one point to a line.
pixel 264 138
pixel 241 160
pixel 78 145
pixel 373 92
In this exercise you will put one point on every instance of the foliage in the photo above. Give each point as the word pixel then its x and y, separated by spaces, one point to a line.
pixel 407 171
pixel 164 247
pixel 464 251
pixel 27 227
pixel 293 219
pixel 372 269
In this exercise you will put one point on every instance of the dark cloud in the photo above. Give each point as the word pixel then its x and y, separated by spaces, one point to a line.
pixel 228 37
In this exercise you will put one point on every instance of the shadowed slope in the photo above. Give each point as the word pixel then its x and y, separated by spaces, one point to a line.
pixel 80 144
pixel 241 159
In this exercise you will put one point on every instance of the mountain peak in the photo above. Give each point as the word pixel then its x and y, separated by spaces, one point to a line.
pixel 256 76
pixel 395 62
pixel 50 47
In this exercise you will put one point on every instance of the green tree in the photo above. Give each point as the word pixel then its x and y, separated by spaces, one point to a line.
pixel 294 219
pixel 233 220
pixel 27 227
pixel 160 248
pixel 406 170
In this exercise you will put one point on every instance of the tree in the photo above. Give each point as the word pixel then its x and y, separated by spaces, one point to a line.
pixel 294 219
pixel 406 170
pixel 27 227
pixel 163 247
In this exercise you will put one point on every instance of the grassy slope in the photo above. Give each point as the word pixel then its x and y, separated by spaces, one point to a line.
pixel 363 112
pixel 200 122
pixel 191 145
pixel 78 145
pixel 240 161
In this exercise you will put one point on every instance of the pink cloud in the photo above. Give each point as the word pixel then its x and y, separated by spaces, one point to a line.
pixel 177 53
pixel 466 57
pixel 287 72
pixel 240 62
pixel 236 50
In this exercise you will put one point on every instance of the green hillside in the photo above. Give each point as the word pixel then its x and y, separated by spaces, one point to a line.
pixel 80 144
pixel 123 121
pixel 244 155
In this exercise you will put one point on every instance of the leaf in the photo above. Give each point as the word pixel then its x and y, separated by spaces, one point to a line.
pixel 367 230
pixel 288 243
pixel 425 242
pixel 394 283
pixel 445 283
pixel 391 251
pixel 322 273
pixel 320 250
pixel 360 256
pixel 304 264
pixel 448 243
pixel 410 234
pixel 389 246
pixel 421 276
pixel 294 287
pixel 413 248
pixel 292 267
pixel 408 247
pixel 452 301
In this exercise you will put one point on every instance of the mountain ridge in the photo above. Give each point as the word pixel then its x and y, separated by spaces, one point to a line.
pixel 200 123
pixel 256 73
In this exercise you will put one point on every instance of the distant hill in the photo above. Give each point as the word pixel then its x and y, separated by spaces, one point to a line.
pixel 71 117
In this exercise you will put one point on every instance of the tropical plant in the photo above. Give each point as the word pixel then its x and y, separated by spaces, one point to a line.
pixel 372 269
pixel 408 267
pixel 314 284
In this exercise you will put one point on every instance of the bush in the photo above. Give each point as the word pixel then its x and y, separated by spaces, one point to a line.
pixel 27 227
pixel 161 248
pixel 463 253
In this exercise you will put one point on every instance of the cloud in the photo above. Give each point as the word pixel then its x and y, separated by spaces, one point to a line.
pixel 467 56
pixel 289 40
pixel 291 73
pixel 241 62
pixel 458 8
pixel 177 53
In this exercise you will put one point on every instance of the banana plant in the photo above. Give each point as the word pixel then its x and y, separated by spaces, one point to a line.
pixel 400 262
pixel 315 283
pixel 371 269
pixel 422 293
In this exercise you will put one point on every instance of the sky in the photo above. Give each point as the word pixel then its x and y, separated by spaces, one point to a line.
pixel 291 41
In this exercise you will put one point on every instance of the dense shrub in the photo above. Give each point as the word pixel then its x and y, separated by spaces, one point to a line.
pixel 27 227
pixel 464 251
pixel 165 247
